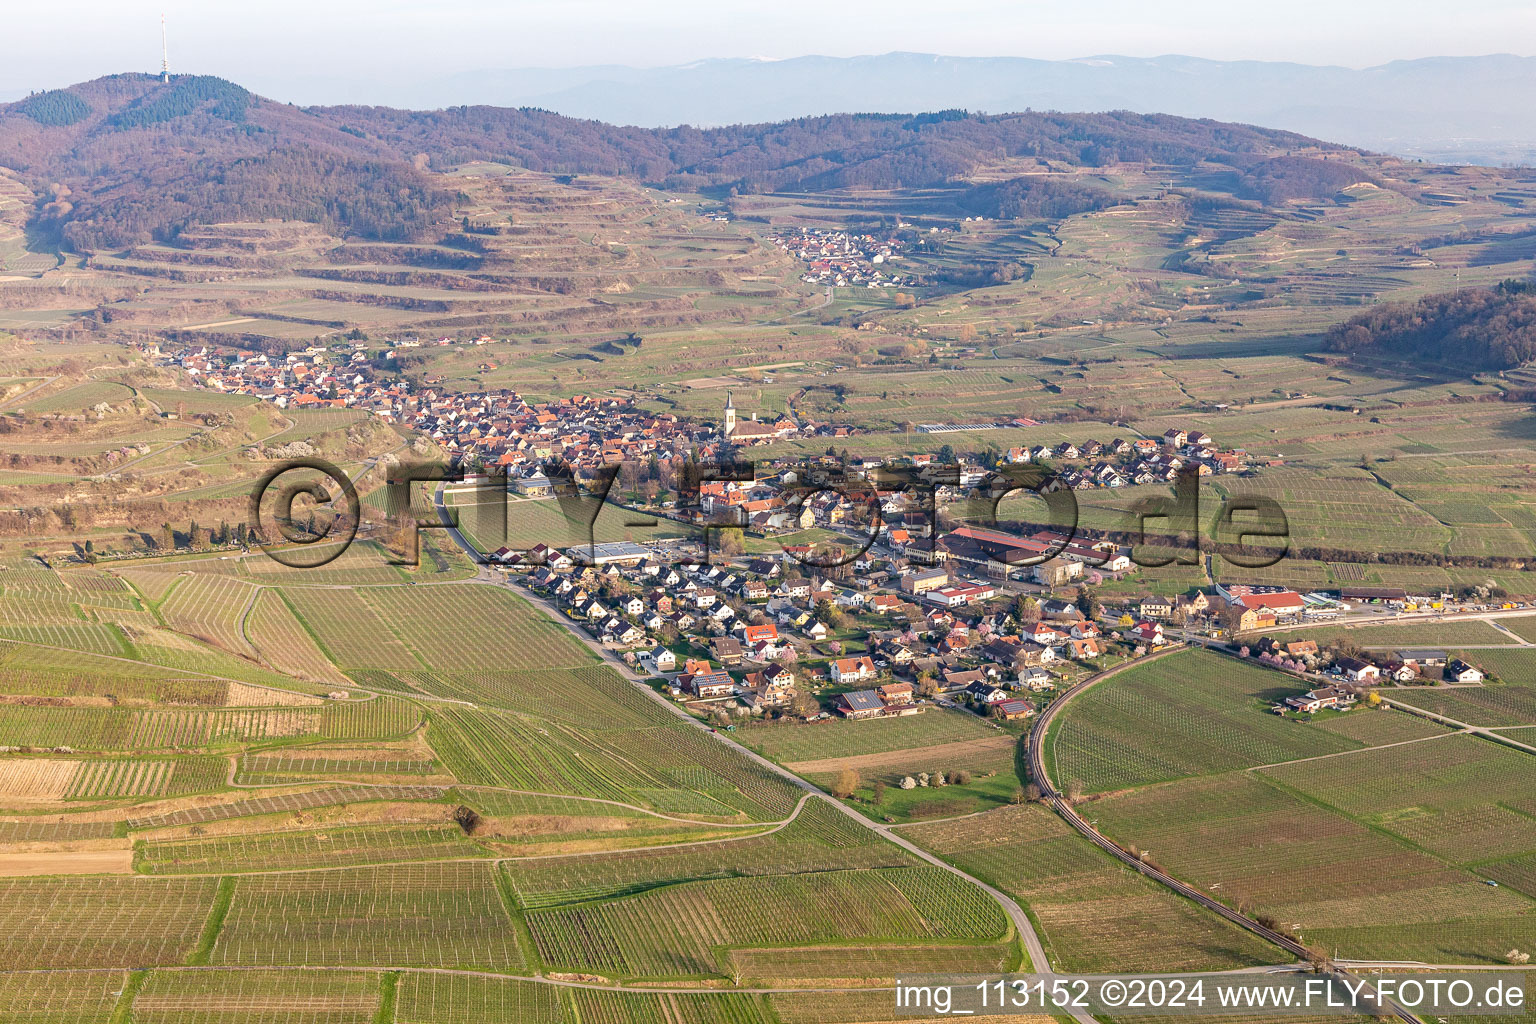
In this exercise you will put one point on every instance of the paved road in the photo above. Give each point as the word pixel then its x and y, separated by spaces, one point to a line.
pixel 1036 759
pixel 1021 922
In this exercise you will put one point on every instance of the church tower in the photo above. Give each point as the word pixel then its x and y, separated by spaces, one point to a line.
pixel 730 415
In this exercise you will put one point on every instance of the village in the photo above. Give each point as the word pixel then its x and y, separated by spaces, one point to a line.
pixel 844 258
pixel 772 638
pixel 908 617
pixel 497 431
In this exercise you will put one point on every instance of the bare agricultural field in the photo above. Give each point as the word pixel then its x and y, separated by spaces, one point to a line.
pixel 911 760
pixel 83 857
pixel 244 695
pixel 841 738
pixel 36 778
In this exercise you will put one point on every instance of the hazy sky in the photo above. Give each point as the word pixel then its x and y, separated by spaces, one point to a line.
pixel 352 50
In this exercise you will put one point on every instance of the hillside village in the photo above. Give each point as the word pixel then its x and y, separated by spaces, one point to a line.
pixel 844 258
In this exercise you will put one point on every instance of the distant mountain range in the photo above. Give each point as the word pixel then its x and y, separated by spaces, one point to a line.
pixel 1451 109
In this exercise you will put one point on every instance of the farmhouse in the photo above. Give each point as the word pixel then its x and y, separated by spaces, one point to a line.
pixel 1458 671
pixel 1145 633
pixel 1357 671
pixel 1014 709
pixel 959 679
pixel 1317 700
pixel 859 704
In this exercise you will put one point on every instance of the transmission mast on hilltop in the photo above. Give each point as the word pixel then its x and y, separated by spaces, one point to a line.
pixel 165 54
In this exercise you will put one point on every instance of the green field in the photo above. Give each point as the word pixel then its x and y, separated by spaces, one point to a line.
pixel 1413 812
pixel 1187 713
pixel 1504 704
pixel 1418 634
pixel 400 915
pixel 675 930
pixel 1093 914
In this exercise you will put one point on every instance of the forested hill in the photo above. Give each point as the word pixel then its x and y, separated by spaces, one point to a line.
pixel 808 154
pixel 1474 328
pixel 127 158
pixel 124 159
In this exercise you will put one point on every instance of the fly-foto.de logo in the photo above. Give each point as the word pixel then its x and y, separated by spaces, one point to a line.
pixel 306 512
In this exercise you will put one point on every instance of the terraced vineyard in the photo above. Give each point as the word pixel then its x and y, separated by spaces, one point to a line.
pixel 116 778
pixel 819 839
pixel 1425 897
pixel 666 766
pixel 287 851
pixel 280 640
pixel 451 624
pixel 108 729
pixel 254 997
pixel 673 930
pixel 402 915
pixel 458 999
pixel 60 997
pixel 102 922
pixel 348 629
pixel 212 608
pixel 1093 915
